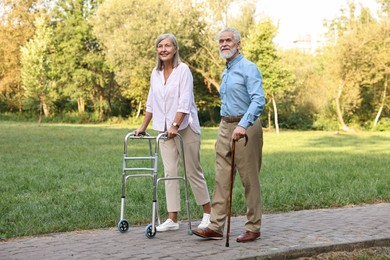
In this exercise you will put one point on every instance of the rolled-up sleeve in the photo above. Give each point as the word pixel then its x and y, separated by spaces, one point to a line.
pixel 253 80
pixel 186 91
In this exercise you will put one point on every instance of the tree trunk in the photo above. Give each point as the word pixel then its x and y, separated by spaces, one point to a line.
pixel 338 108
pixel 40 113
pixel 275 114
pixel 207 78
pixel 101 107
pixel 20 104
pixel 139 109
pixel 269 120
pixel 211 116
pixel 46 110
pixel 81 105
pixel 110 92
pixel 382 103
pixel 43 106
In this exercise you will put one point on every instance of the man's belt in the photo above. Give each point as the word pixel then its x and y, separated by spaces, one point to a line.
pixel 232 119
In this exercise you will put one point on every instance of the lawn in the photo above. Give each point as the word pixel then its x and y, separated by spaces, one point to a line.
pixel 58 178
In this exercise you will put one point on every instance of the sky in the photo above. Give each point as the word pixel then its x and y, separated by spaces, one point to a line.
pixel 300 17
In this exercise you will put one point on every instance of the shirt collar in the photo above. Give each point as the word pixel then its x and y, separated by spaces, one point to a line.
pixel 234 61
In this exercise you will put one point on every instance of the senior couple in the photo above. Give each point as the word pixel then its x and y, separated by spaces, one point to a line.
pixel 172 107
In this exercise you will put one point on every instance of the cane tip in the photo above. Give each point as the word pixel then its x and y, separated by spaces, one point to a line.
pixel 227 244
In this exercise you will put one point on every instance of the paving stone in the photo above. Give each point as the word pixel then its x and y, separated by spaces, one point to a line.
pixel 283 235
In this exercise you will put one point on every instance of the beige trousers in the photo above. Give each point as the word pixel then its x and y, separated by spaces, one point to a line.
pixel 248 163
pixel 171 157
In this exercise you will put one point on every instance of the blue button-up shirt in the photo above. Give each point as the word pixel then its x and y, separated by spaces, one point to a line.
pixel 241 91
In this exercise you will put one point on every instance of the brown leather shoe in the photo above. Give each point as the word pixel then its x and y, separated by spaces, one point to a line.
pixel 207 233
pixel 248 236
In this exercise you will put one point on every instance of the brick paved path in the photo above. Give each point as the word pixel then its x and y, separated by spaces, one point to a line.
pixel 285 235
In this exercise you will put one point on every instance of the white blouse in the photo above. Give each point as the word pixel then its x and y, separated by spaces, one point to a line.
pixel 176 95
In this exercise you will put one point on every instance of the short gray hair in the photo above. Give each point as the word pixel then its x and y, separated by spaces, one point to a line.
pixel 176 57
pixel 236 34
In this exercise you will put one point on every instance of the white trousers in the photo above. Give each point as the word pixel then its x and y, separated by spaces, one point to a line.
pixel 171 157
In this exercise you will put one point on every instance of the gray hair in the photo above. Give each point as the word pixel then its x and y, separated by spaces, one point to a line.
pixel 236 34
pixel 176 56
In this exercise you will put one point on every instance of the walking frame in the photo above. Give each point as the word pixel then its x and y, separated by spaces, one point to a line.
pixel 152 171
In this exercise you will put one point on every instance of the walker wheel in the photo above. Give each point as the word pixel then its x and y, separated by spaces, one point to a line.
pixel 123 226
pixel 148 232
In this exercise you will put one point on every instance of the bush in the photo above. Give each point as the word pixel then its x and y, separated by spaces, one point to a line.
pixel 297 120
pixel 19 117
pixel 383 125
pixel 325 124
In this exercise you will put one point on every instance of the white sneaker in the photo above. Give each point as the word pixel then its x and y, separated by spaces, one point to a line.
pixel 205 221
pixel 167 225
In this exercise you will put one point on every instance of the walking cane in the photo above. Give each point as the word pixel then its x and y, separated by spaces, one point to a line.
pixel 231 189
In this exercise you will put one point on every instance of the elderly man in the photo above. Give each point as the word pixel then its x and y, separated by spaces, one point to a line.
pixel 242 101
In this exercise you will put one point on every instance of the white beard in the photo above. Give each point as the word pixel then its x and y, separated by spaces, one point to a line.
pixel 230 54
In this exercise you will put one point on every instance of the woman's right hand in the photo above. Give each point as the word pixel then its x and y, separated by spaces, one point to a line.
pixel 139 132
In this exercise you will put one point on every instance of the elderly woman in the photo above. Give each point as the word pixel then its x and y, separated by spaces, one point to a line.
pixel 172 106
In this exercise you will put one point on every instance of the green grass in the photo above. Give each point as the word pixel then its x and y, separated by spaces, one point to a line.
pixel 68 177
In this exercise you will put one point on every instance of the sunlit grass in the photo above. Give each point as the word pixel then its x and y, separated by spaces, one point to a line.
pixel 68 177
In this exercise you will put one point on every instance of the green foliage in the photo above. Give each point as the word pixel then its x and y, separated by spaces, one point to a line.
pixel 260 49
pixel 384 125
pixel 245 20
pixel 35 67
pixel 132 54
pixel 277 79
pixel 297 120
pixel 100 55
pixel 78 66
pixel 358 65
pixel 16 28
pixel 324 123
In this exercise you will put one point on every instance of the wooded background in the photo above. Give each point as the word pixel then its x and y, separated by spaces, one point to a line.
pixel 92 59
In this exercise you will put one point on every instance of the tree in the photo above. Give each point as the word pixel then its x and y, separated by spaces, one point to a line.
pixel 16 28
pixel 358 61
pixel 35 67
pixel 309 95
pixel 206 59
pixel 244 20
pixel 260 49
pixel 217 11
pixel 381 59
pixel 79 68
pixel 118 25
